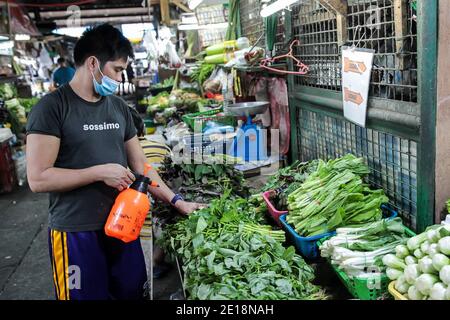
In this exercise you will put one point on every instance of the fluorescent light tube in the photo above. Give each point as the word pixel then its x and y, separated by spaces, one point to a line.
pixel 194 4
pixel 22 37
pixel 275 7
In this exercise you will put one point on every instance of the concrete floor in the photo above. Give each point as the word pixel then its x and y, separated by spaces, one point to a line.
pixel 25 270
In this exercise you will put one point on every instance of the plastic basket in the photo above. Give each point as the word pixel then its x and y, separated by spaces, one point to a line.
pixel 397 295
pixel 274 213
pixel 371 288
pixel 200 119
pixel 307 246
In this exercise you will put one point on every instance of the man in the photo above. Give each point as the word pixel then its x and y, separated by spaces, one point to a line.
pixel 63 74
pixel 80 140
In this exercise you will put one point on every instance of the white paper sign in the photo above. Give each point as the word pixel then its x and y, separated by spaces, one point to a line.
pixel 356 71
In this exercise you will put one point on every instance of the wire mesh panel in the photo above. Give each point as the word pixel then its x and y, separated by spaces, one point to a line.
pixel 392 160
pixel 251 22
pixel 316 29
pixel 371 25
pixel 280 36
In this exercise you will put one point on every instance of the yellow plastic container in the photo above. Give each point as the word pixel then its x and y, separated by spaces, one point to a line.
pixel 397 295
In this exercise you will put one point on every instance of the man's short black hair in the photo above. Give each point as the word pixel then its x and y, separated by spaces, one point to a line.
pixel 104 42
pixel 61 60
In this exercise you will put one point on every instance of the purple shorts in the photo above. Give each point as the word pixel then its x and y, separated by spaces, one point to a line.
pixel 92 266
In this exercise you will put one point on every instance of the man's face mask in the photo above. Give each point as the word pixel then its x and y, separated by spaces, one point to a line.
pixel 107 86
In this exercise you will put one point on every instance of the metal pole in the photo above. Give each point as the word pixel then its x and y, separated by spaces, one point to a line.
pixel 427 14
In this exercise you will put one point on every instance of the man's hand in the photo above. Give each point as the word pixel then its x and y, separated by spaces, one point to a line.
pixel 188 207
pixel 114 175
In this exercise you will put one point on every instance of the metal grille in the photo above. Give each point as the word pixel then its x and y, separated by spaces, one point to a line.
pixel 370 25
pixel 211 14
pixel 280 36
pixel 392 160
pixel 251 22
pixel 316 28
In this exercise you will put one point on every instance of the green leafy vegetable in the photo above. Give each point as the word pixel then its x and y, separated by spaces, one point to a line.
pixel 228 254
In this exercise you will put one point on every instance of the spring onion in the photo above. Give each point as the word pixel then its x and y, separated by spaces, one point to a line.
pixel 444 274
pixel 412 272
pixel 415 242
pixel 410 260
pixel 432 236
pixel 424 246
pixel 393 262
pixel 433 249
pixel 439 261
pixel 426 265
pixel 425 282
pixel 438 291
pixel 401 251
pixel 447 293
pixel 393 274
pixel 418 254
pixel 444 231
pixel 414 294
pixel 444 245
pixel 401 285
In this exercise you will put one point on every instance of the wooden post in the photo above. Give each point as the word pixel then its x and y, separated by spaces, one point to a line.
pixel 400 24
pixel 443 113
pixel 165 12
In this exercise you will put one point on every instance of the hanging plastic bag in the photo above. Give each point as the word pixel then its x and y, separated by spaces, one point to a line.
pixel 151 44
pixel 174 59
pixel 279 108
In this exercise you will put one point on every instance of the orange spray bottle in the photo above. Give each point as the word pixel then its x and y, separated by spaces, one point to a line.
pixel 128 213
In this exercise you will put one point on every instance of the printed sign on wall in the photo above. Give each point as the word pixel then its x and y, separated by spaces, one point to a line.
pixel 356 70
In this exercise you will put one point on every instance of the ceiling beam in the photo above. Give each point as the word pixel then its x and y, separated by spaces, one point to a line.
pixel 339 6
pixel 93 12
pixel 97 20
pixel 180 5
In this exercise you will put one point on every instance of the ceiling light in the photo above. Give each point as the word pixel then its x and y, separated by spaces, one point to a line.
pixel 275 7
pixel 194 4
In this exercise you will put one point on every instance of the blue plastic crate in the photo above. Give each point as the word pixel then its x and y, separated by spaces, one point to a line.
pixel 307 246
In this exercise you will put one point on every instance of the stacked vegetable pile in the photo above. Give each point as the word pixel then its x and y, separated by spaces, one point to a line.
pixel 334 196
pixel 422 267
pixel 165 84
pixel 28 103
pixel 201 182
pixel 287 180
pixel 228 254
pixel 359 250
pixel 166 105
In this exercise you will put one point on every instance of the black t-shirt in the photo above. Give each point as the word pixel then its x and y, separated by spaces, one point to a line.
pixel 91 133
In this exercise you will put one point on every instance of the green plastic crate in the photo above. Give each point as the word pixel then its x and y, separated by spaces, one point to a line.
pixel 371 288
pixel 211 115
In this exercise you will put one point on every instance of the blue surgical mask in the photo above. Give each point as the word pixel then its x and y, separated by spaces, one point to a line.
pixel 107 87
